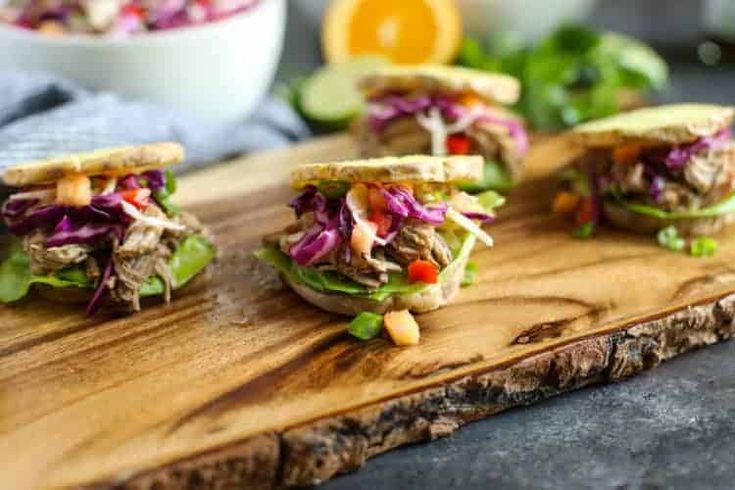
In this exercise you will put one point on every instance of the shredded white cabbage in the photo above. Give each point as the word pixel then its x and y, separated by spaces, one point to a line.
pixel 470 226
pixel 43 194
pixel 439 130
pixel 109 186
pixel 434 124
pixel 134 213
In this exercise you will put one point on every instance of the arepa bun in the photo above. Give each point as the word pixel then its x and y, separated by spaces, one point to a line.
pixel 109 161
pixel 654 126
pixel 492 87
pixel 409 168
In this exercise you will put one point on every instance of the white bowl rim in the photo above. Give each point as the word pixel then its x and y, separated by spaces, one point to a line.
pixel 165 35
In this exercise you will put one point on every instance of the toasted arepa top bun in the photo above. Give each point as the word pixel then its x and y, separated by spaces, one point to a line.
pixel 409 168
pixel 652 126
pixel 493 87
pixel 108 161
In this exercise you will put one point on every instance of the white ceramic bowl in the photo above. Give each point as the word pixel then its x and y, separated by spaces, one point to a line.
pixel 217 71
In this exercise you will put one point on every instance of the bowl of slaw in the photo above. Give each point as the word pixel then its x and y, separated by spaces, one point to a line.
pixel 214 67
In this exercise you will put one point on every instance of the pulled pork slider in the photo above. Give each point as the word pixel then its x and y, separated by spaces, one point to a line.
pixel 654 168
pixel 100 226
pixel 441 110
pixel 381 234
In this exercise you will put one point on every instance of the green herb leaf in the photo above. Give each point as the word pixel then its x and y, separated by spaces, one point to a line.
pixel 494 177
pixel 725 206
pixel 470 271
pixel 584 231
pixel 366 325
pixel 490 201
pixel 163 196
pixel 333 189
pixel 669 238
pixel 703 247
pixel 16 277
pixel 188 260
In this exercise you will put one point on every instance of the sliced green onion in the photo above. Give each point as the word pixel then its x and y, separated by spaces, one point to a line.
pixel 584 231
pixel 333 189
pixel 366 325
pixel 469 274
pixel 703 247
pixel 669 238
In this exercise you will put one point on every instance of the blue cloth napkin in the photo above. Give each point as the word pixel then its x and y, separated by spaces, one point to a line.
pixel 43 115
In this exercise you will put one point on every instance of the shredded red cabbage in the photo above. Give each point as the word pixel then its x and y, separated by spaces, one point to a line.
pixel 74 233
pixel 679 155
pixel 333 220
pixel 156 179
pixel 315 245
pixel 483 217
pixel 14 208
pixel 401 202
pixel 101 290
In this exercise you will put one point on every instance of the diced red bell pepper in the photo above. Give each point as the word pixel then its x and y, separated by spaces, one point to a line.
pixel 458 144
pixel 140 198
pixel 584 211
pixel 423 271
pixel 382 220
pixel 133 10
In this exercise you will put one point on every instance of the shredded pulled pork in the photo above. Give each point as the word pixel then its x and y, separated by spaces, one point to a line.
pixel 707 178
pixel 47 260
pixel 404 136
pixel 143 253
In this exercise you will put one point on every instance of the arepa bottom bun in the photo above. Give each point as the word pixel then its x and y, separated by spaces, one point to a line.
pixel 430 298
pixel 640 223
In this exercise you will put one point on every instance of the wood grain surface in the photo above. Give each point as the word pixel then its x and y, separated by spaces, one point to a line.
pixel 238 383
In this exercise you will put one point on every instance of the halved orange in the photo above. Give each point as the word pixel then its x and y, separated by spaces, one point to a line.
pixel 404 31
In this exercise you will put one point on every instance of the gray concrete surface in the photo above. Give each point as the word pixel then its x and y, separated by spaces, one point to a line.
pixel 672 427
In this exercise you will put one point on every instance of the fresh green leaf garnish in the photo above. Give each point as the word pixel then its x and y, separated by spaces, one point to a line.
pixel 494 177
pixel 163 196
pixel 669 238
pixel 725 206
pixel 16 277
pixel 573 75
pixel 490 201
pixel 333 189
pixel 584 231
pixel 703 247
pixel 366 325
pixel 469 274
pixel 189 259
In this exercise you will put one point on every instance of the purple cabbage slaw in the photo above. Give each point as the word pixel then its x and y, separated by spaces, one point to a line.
pixel 659 162
pixel 131 17
pixel 385 109
pixel 334 221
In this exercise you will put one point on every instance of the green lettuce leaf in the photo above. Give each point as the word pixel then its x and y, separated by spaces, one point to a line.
pixel 494 177
pixel 725 206
pixel 189 259
pixel 331 282
pixel 163 196
pixel 16 277
pixel 193 254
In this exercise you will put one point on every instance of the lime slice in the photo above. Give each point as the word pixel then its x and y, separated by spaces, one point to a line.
pixel 330 97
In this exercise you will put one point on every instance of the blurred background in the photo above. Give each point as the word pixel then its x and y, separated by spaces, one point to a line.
pixel 234 76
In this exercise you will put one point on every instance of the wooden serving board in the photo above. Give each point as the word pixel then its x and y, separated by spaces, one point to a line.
pixel 240 383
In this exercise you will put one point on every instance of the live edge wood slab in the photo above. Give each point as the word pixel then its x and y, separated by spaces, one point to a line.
pixel 238 383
